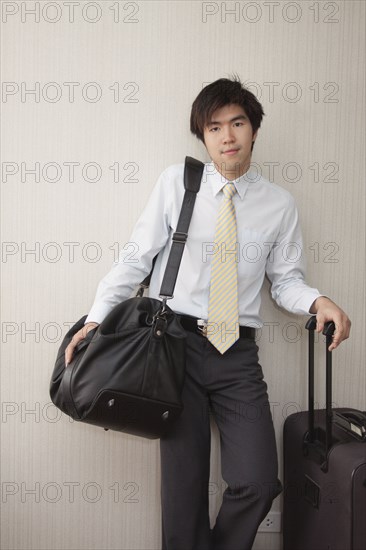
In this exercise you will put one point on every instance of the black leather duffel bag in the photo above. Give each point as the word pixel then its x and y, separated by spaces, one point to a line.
pixel 128 373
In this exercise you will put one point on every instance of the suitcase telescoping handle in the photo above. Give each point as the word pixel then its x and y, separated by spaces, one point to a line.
pixel 328 331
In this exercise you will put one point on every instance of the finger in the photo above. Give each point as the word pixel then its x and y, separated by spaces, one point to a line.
pixel 339 335
pixel 71 347
pixel 69 353
pixel 320 322
pixel 76 339
pixel 335 343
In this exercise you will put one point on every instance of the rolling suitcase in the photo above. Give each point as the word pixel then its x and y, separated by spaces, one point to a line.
pixel 324 470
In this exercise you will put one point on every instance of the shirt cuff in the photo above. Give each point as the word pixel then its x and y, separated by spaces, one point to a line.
pixel 97 314
pixel 304 300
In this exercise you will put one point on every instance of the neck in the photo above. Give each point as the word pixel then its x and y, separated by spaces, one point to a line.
pixel 237 171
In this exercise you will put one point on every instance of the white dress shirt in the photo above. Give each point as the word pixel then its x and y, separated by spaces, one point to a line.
pixel 269 241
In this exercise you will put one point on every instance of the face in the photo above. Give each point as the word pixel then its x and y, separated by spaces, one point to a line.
pixel 228 139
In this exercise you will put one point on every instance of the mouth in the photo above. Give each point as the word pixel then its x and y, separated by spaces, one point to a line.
pixel 230 152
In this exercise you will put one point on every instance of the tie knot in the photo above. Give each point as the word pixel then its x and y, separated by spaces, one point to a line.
pixel 229 190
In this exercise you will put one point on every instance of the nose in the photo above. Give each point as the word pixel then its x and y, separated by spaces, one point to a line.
pixel 228 134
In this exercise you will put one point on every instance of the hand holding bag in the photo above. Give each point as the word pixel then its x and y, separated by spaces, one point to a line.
pixel 128 373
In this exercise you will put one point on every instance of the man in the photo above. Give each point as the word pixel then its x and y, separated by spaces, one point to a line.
pixel 242 227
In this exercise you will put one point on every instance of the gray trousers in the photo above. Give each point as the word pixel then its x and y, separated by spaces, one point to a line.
pixel 231 388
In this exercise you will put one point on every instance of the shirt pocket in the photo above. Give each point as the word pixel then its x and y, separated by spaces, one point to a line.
pixel 254 249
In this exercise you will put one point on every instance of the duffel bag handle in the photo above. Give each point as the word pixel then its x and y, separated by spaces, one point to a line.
pixel 193 170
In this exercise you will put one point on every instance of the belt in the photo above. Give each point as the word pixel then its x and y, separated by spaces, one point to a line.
pixel 193 324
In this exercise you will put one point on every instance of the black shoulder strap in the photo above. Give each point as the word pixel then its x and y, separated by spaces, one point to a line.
pixel 193 170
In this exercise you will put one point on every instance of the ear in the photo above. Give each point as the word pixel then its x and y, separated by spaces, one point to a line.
pixel 254 136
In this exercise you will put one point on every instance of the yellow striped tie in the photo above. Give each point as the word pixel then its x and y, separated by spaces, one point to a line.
pixel 223 310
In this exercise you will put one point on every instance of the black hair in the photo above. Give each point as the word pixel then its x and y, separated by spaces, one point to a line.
pixel 216 95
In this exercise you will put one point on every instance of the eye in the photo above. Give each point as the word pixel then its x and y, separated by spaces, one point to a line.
pixel 214 128
pixel 238 123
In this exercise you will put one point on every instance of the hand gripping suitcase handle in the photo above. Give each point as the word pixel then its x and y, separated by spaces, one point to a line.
pixel 328 331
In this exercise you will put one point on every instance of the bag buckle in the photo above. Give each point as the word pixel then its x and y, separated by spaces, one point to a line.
pixel 202 327
pixel 141 289
pixel 160 326
pixel 160 321
pixel 179 237
pixel 164 299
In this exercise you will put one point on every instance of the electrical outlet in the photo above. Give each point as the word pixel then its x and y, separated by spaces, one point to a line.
pixel 271 523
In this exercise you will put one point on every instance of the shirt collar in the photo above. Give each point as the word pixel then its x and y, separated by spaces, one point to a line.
pixel 217 180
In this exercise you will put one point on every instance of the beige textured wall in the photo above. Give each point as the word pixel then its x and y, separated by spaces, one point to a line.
pixel 72 486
